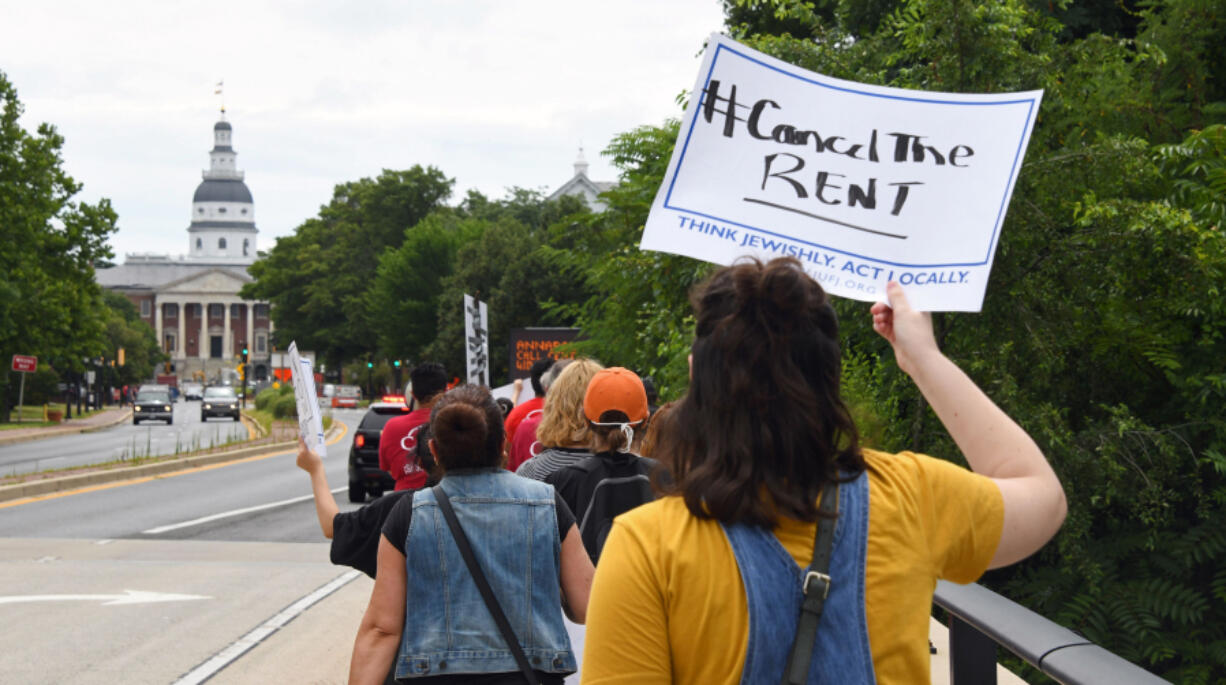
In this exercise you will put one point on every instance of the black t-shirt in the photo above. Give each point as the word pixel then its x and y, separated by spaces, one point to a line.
pixel 396 529
pixel 355 534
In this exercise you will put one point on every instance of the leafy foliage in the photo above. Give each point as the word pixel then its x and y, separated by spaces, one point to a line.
pixel 50 305
pixel 318 279
pixel 1102 330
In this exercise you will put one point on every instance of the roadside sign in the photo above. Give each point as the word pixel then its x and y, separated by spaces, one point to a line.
pixel 25 363
pixel 530 344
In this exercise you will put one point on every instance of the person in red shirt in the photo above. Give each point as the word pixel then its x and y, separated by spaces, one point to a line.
pixel 398 442
pixel 524 446
pixel 521 411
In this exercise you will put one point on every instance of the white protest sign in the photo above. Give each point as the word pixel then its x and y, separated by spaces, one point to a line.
pixel 477 341
pixel 310 423
pixel 863 184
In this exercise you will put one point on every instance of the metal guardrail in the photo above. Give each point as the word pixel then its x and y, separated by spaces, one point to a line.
pixel 980 619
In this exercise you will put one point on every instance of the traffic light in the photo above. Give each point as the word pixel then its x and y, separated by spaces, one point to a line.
pixel 370 365
pixel 244 354
pixel 396 363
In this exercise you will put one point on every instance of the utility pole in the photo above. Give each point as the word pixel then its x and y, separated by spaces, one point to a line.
pixel 243 374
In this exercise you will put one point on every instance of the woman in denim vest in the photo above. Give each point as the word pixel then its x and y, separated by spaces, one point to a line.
pixel 426 618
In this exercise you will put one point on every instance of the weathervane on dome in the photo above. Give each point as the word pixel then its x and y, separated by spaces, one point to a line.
pixel 218 91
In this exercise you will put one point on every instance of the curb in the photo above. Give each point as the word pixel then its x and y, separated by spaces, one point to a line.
pixel 82 480
pixel 254 429
pixel 65 430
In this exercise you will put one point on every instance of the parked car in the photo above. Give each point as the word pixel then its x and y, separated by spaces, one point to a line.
pixel 365 476
pixel 219 400
pixel 346 396
pixel 153 402
pixel 193 391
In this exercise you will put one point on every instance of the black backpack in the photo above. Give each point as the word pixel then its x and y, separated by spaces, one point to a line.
pixel 606 490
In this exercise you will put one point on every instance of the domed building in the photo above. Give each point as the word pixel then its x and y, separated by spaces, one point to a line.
pixel 192 300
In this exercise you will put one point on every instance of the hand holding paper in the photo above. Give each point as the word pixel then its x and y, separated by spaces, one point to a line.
pixel 310 423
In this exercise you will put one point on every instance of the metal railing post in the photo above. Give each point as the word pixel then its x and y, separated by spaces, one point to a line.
pixel 972 655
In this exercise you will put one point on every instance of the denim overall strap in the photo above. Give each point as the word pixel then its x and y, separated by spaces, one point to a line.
pixel 772 583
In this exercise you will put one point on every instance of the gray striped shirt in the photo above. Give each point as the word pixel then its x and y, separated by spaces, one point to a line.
pixel 551 459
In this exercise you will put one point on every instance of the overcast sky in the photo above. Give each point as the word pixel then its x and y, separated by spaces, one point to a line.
pixel 496 93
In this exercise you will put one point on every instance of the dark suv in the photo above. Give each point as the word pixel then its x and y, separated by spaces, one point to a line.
pixel 219 401
pixel 153 402
pixel 364 472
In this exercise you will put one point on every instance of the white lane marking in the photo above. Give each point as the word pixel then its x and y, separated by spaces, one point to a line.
pixel 106 541
pixel 234 512
pixel 240 646
pixel 128 597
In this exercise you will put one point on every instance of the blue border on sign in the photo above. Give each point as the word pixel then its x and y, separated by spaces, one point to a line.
pixel 694 121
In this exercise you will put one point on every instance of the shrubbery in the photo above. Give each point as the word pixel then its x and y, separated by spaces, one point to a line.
pixel 285 406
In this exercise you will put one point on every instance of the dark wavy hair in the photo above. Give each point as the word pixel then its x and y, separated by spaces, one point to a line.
pixel 466 426
pixel 762 429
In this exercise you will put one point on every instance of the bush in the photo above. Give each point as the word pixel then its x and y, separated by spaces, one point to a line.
pixel 265 399
pixel 285 406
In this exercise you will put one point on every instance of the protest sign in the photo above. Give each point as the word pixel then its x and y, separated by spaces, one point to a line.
pixel 530 344
pixel 863 184
pixel 310 423
pixel 477 341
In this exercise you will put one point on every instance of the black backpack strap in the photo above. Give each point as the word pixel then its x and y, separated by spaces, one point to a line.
pixel 483 586
pixel 816 586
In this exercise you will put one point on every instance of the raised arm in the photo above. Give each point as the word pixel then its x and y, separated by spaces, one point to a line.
pixel 325 503
pixel 994 445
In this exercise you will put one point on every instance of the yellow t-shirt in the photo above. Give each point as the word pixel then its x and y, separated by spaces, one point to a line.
pixel 668 605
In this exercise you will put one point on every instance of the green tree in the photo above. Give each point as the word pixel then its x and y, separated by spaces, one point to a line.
pixel 1100 332
pixel 50 305
pixel 125 329
pixel 404 299
pixel 318 279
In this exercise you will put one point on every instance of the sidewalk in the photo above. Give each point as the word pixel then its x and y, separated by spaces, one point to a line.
pixel 103 419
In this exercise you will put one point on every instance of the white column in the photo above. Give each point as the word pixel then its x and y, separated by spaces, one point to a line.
pixel 227 345
pixel 180 351
pixel 251 329
pixel 203 347
pixel 157 322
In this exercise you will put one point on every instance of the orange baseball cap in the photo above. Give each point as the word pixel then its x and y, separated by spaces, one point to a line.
pixel 615 389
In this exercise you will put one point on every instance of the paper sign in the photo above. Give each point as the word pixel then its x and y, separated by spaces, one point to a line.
pixel 863 184
pixel 310 423
pixel 477 341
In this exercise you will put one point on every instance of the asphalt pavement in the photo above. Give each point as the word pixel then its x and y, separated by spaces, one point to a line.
pixel 123 441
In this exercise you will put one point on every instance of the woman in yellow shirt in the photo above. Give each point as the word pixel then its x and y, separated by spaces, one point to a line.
pixel 706 585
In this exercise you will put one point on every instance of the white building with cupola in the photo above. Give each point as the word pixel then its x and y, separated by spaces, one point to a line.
pixel 192 300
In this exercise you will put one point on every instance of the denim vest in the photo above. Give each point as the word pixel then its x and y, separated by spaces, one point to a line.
pixel 773 588
pixel 513 528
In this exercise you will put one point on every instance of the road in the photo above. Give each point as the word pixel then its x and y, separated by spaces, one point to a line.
pixel 217 573
pixel 124 441
pixel 224 535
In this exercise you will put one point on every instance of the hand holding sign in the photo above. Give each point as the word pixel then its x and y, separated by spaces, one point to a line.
pixel 863 184
pixel 909 332
pixel 310 424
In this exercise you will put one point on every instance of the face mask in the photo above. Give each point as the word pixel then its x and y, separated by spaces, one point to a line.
pixel 627 430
